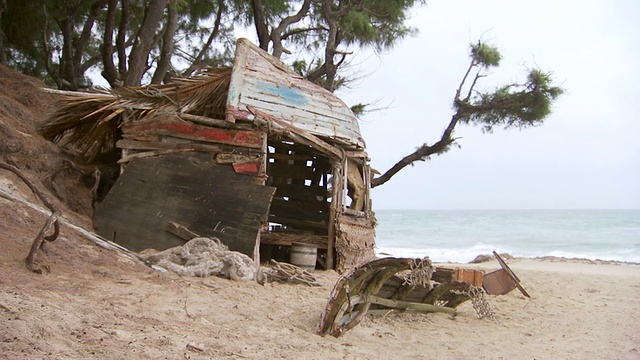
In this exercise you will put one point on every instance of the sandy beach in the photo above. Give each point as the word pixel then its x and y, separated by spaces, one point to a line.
pixel 94 303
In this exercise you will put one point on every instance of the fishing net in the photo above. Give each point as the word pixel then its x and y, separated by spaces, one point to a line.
pixel 202 257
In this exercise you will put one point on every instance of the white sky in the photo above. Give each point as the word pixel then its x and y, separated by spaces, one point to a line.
pixel 586 155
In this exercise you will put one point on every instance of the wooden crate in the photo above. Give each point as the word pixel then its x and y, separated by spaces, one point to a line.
pixel 498 282
pixel 469 275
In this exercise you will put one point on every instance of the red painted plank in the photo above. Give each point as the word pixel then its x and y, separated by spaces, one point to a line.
pixel 252 168
pixel 185 130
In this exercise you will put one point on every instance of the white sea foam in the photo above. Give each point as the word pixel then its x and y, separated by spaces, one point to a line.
pixel 459 236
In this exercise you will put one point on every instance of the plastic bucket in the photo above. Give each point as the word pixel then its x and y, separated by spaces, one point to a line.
pixel 304 256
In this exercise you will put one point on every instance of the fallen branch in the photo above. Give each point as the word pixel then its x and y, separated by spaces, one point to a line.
pixel 52 221
pixel 96 239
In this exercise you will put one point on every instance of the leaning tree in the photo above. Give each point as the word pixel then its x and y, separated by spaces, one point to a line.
pixel 519 105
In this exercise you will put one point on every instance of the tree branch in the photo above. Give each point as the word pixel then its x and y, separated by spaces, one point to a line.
pixel 214 34
pixel 51 221
pixel 276 34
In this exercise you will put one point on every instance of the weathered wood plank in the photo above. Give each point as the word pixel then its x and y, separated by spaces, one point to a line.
pixel 286 239
pixel 161 145
pixel 174 126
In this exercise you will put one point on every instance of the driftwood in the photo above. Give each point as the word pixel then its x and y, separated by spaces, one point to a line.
pixel 146 154
pixel 52 221
pixel 281 271
pixel 96 239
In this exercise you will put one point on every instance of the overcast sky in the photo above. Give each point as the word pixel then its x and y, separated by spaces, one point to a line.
pixel 586 155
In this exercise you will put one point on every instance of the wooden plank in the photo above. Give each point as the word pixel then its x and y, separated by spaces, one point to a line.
pixel 286 239
pixel 174 126
pixel 162 145
pixel 203 120
pixel 230 158
pixel 303 136
pixel 209 199
pixel 249 168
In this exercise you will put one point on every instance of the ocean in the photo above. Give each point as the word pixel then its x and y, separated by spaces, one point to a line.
pixel 461 235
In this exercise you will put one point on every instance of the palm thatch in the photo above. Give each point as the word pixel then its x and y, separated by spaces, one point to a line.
pixel 89 122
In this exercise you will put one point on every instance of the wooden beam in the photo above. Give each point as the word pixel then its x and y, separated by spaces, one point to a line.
pixel 181 231
pixel 408 305
pixel 301 136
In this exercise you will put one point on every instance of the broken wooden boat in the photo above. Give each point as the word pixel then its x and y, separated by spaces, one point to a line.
pixel 253 155
pixel 396 284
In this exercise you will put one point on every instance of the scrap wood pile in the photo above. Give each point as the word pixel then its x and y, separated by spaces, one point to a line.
pixel 285 272
pixel 395 284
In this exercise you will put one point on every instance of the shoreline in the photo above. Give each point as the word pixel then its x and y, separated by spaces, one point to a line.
pixel 548 258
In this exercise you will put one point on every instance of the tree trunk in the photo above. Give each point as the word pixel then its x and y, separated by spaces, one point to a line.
pixel 67 72
pixel 121 41
pixel 276 34
pixel 109 72
pixel 144 42
pixel 423 152
pixel 164 63
pixel 333 18
pixel 214 34
pixel 260 22
pixel 3 56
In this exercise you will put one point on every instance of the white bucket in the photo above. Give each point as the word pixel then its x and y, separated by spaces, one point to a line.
pixel 304 256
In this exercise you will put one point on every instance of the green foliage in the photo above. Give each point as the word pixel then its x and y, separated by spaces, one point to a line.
pixel 512 105
pixel 24 43
pixel 359 109
pixel 485 55
pixel 377 23
pixel 38 49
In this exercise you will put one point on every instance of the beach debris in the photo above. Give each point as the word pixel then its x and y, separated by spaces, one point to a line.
pixel 196 346
pixel 280 271
pixel 473 276
pixel 395 284
pixel 502 281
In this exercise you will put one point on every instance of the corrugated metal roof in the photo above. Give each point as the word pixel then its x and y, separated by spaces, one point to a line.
pixel 261 82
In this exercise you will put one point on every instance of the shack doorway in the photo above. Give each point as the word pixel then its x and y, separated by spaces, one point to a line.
pixel 300 208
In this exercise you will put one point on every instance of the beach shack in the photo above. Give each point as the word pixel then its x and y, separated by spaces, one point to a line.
pixel 254 155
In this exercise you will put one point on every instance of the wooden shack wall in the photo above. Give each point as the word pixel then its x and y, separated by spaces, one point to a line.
pixel 187 188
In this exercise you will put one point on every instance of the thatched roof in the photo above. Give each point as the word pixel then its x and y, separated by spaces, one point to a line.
pixel 88 121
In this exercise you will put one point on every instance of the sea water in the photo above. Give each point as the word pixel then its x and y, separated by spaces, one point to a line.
pixel 461 235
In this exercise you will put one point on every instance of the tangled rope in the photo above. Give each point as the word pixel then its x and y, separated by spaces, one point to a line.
pixel 420 273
